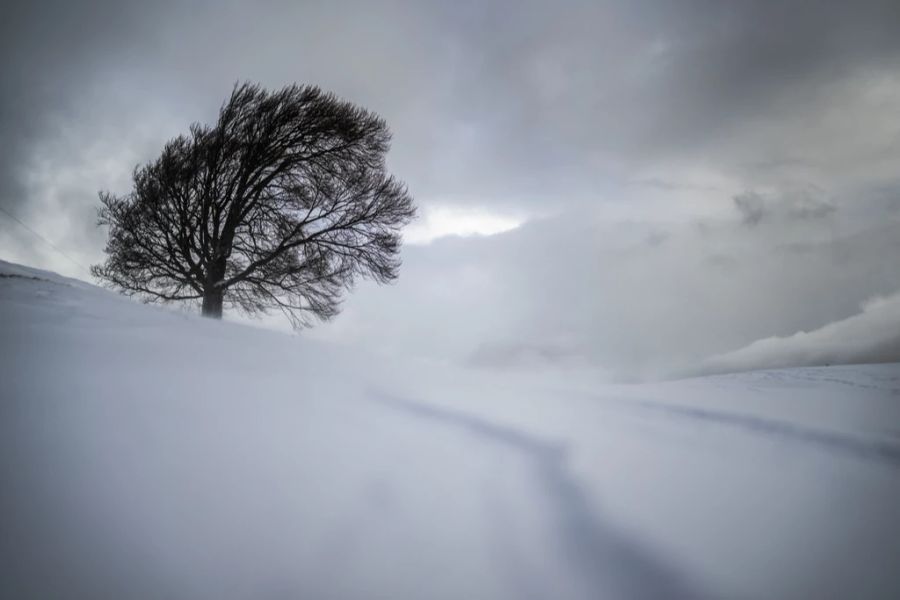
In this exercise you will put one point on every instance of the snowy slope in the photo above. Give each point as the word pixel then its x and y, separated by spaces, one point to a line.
pixel 150 454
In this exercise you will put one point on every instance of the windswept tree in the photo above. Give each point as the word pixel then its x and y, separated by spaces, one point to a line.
pixel 283 203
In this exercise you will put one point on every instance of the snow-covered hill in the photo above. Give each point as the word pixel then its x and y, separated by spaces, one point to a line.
pixel 149 454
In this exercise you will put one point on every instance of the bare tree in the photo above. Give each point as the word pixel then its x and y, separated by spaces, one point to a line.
pixel 283 203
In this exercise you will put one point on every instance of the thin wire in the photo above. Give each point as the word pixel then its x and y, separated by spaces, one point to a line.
pixel 46 241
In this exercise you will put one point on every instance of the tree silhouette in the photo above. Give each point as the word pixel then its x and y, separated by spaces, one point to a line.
pixel 283 203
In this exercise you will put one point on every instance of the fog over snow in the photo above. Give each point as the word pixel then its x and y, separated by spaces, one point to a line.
pixel 630 187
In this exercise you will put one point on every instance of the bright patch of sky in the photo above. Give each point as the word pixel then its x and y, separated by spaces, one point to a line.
pixel 443 220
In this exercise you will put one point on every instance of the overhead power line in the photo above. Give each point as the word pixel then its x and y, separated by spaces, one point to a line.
pixel 45 240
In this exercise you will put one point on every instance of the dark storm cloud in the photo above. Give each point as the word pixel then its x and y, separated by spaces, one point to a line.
pixel 504 100
pixel 49 50
pixel 729 63
pixel 629 81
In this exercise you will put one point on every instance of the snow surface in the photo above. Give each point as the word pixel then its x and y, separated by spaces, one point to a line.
pixel 151 454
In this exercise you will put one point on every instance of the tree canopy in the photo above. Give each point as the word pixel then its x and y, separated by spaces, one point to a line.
pixel 283 203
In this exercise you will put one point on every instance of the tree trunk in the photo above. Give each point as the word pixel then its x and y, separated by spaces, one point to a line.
pixel 213 293
pixel 212 303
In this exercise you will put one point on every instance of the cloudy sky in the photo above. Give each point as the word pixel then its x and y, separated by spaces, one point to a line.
pixel 642 187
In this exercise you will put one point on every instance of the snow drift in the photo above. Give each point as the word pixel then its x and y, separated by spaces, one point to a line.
pixel 151 454
pixel 872 336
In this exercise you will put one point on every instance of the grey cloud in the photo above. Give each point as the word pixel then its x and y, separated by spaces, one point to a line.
pixel 645 79
pixel 751 206
pixel 797 204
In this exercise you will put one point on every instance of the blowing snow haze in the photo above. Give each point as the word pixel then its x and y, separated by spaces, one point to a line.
pixel 640 188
